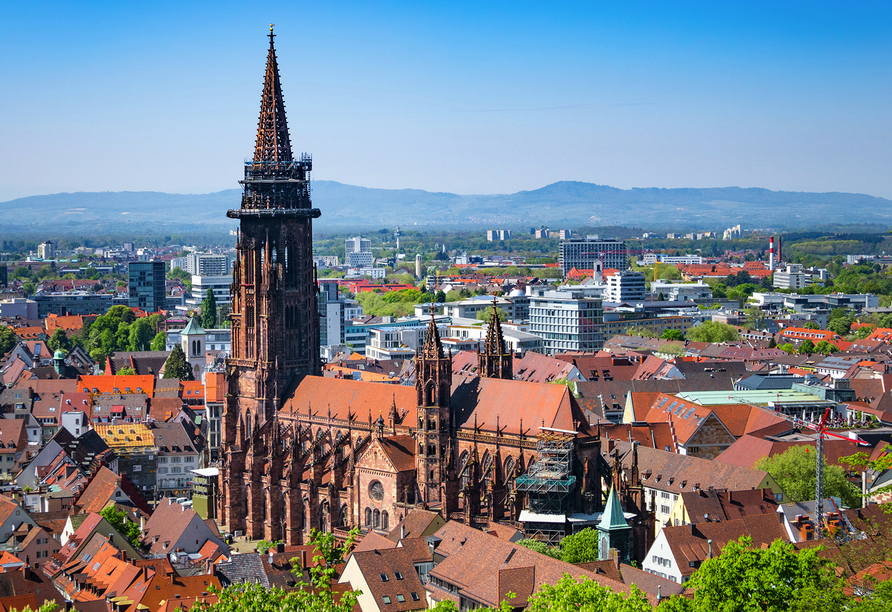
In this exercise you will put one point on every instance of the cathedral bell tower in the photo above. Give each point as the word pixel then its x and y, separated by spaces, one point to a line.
pixel 274 318
pixel 433 383
pixel 494 361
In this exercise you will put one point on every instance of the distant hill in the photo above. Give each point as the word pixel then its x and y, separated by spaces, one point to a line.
pixel 566 203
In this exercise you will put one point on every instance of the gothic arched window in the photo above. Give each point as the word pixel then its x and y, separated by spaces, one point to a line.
pixel 376 518
pixel 385 521
pixel 368 517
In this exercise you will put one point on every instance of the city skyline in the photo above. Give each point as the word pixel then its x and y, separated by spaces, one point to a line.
pixel 465 99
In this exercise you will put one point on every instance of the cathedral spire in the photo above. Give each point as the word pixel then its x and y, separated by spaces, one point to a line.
pixel 494 361
pixel 495 342
pixel 273 142
pixel 432 345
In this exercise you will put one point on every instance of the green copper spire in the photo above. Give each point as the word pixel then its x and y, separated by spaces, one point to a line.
pixel 613 517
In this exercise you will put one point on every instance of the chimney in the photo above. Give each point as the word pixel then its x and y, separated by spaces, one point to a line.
pixel 280 548
pixel 402 532
pixel 771 253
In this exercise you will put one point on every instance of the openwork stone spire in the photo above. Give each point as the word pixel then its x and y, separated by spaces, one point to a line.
pixel 273 142
pixel 495 342
pixel 432 345
pixel 494 361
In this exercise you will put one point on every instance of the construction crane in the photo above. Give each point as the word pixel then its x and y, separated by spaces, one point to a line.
pixel 821 429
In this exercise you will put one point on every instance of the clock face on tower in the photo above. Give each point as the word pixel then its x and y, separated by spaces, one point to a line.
pixel 376 490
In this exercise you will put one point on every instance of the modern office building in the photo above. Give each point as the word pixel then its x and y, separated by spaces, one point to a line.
pixel 46 250
pixel 76 303
pixel 146 285
pixel 626 286
pixel 566 321
pixel 681 292
pixel 220 285
pixel 358 252
pixel 204 264
pixel 793 277
pixel 582 253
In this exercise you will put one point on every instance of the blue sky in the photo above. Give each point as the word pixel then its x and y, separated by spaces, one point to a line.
pixel 463 97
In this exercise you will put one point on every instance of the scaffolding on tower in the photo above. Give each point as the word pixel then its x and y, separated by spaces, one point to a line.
pixel 549 485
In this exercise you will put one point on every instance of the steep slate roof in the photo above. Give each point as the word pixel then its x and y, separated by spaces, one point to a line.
pixel 143 362
pixel 242 569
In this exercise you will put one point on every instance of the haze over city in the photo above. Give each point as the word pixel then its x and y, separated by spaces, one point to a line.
pixel 459 97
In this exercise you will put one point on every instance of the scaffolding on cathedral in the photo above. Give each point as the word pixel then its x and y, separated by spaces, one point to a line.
pixel 548 485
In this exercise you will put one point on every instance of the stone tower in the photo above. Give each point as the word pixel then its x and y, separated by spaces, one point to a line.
pixel 433 383
pixel 494 361
pixel 274 317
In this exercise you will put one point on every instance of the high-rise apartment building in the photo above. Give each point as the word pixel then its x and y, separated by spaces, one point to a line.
pixel 146 285
pixel 582 253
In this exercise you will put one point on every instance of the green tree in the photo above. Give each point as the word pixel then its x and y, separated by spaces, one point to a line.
pixel 28 289
pixel 8 339
pixel 177 366
pixel 810 325
pixel 840 325
pixel 672 334
pixel 139 335
pixel 794 471
pixel 862 332
pixel 787 348
pixel 774 579
pixel 642 332
pixel 825 348
pixel 486 315
pixel 263 546
pixel 159 342
pixel 59 340
pixel 315 596
pixel 126 371
pixel 755 317
pixel 807 348
pixel 440 297
pixel 122 524
pixel 568 595
pixel 209 310
pixel 580 547
pixel 542 548
pixel 712 331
